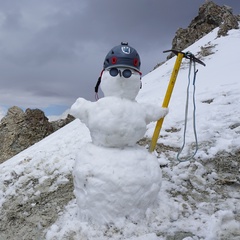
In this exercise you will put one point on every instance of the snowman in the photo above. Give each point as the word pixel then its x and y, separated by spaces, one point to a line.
pixel 114 178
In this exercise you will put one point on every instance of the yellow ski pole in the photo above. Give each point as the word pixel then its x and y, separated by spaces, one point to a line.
pixel 167 97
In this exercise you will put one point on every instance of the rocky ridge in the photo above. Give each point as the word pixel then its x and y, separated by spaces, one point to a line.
pixel 19 130
pixel 210 16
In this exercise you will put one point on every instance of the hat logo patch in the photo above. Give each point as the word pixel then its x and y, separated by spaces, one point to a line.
pixel 126 49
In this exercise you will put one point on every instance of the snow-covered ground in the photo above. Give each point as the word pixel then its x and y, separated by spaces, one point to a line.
pixel 199 199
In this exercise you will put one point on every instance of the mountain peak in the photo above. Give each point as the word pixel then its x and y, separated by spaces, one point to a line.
pixel 210 16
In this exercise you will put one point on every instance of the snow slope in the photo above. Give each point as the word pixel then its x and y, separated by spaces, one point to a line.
pixel 195 202
pixel 218 81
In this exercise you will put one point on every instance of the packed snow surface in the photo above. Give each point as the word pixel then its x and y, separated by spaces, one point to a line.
pixel 190 204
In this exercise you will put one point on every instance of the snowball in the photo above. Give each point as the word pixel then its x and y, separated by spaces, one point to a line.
pixel 127 88
pixel 112 183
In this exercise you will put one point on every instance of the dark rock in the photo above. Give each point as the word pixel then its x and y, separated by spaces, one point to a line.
pixel 209 17
pixel 19 130
pixel 62 122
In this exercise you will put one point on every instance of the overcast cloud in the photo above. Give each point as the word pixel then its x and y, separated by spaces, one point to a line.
pixel 52 51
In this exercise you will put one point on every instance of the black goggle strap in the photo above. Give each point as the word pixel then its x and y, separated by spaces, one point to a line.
pixel 97 85
pixel 140 74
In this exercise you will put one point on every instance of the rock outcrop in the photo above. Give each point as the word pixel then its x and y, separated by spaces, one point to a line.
pixel 62 122
pixel 19 130
pixel 210 16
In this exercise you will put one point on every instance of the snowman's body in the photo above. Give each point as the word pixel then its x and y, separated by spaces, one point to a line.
pixel 114 121
pixel 113 177
pixel 117 120
pixel 108 125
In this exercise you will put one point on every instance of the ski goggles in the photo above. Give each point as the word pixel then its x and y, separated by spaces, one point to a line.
pixel 126 73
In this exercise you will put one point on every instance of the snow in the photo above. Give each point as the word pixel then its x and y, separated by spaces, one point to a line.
pixel 104 182
pixel 44 160
pixel 189 204
pixel 216 81
pixel 124 88
pixel 114 121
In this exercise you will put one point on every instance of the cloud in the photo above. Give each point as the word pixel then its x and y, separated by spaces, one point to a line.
pixel 52 52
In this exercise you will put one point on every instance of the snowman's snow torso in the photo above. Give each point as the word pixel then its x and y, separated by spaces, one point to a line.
pixel 116 122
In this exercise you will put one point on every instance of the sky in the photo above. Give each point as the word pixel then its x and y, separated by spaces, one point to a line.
pixel 52 52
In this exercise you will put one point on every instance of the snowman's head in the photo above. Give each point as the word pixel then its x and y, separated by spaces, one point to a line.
pixel 121 82
pixel 121 74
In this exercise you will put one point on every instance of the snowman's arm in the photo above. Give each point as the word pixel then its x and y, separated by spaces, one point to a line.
pixel 80 109
pixel 154 113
